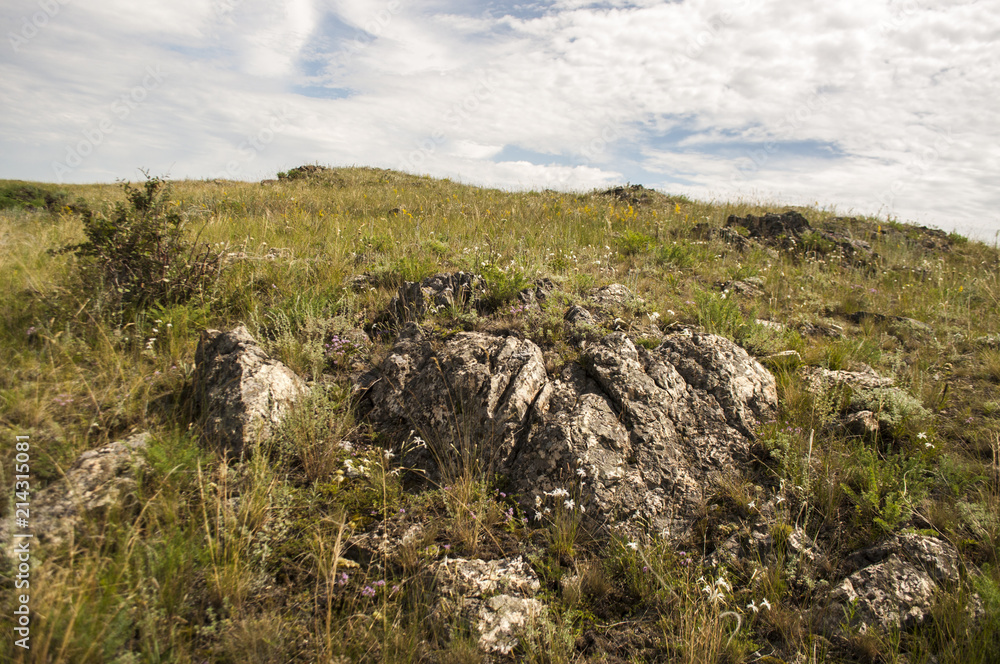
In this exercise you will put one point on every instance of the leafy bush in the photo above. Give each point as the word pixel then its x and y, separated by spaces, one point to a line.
pixel 19 195
pixel 676 255
pixel 502 286
pixel 633 242
pixel 137 255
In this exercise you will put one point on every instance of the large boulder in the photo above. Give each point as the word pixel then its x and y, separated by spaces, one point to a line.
pixel 639 437
pixel 643 437
pixel 100 480
pixel 244 393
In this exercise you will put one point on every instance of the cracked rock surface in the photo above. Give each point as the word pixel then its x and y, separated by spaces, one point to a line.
pixel 244 393
pixel 636 436
pixel 99 480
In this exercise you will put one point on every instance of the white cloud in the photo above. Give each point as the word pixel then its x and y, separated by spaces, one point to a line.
pixel 871 106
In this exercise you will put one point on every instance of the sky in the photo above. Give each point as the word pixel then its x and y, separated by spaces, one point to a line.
pixel 860 106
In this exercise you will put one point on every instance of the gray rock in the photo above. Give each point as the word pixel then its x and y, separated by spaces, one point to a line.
pixel 896 586
pixel 98 481
pixel 863 424
pixel 820 379
pixel 577 315
pixel 639 436
pixel 414 300
pixel 612 295
pixel 822 328
pixel 244 393
pixel 495 597
pixel 469 395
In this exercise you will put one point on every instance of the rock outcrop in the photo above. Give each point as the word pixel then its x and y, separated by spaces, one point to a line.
pixel 100 480
pixel 790 229
pixel 244 393
pixel 413 300
pixel 638 436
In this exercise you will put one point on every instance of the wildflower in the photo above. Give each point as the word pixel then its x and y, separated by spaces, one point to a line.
pixel 570 504
pixel 764 604
pixel 633 545
pixel 380 583
pixel 343 579
pixel 389 454
pixel 538 516
pixel 559 493
pixel 653 316
pixel 671 312
pixel 714 595
pixel 581 472
pixel 722 583
pixel 368 591
pixel 538 501
pixel 752 504
pixel 753 606
pixel 922 435
pixel 929 446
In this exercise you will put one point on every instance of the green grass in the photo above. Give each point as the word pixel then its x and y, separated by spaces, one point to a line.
pixel 231 563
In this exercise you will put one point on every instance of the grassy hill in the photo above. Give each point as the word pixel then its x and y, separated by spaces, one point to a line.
pixel 230 561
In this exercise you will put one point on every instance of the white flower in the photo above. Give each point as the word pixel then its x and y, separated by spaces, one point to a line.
pixel 653 316
pixel 538 516
pixel 714 595
pixel 764 604
pixel 753 606
pixel 929 445
pixel 671 312
pixel 722 583
pixel 780 500
pixel 753 504
pixel 559 493
pixel 569 504
pixel 538 501
pixel 633 545
pixel 581 472
pixel 389 454
pixel 922 435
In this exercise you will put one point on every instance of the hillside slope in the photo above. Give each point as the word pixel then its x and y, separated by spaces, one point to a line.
pixel 461 424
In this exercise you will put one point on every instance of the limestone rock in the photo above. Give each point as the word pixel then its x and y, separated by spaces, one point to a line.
pixel 470 393
pixel 895 586
pixel 612 295
pixel 244 393
pixel 494 596
pixel 818 378
pixel 863 424
pixel 577 315
pixel 640 436
pixel 99 480
pixel 457 289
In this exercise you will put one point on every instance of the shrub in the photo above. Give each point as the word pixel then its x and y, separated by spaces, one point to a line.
pixel 18 195
pixel 137 255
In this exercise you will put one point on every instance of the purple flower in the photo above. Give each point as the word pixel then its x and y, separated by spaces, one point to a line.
pixel 343 579
pixel 368 591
